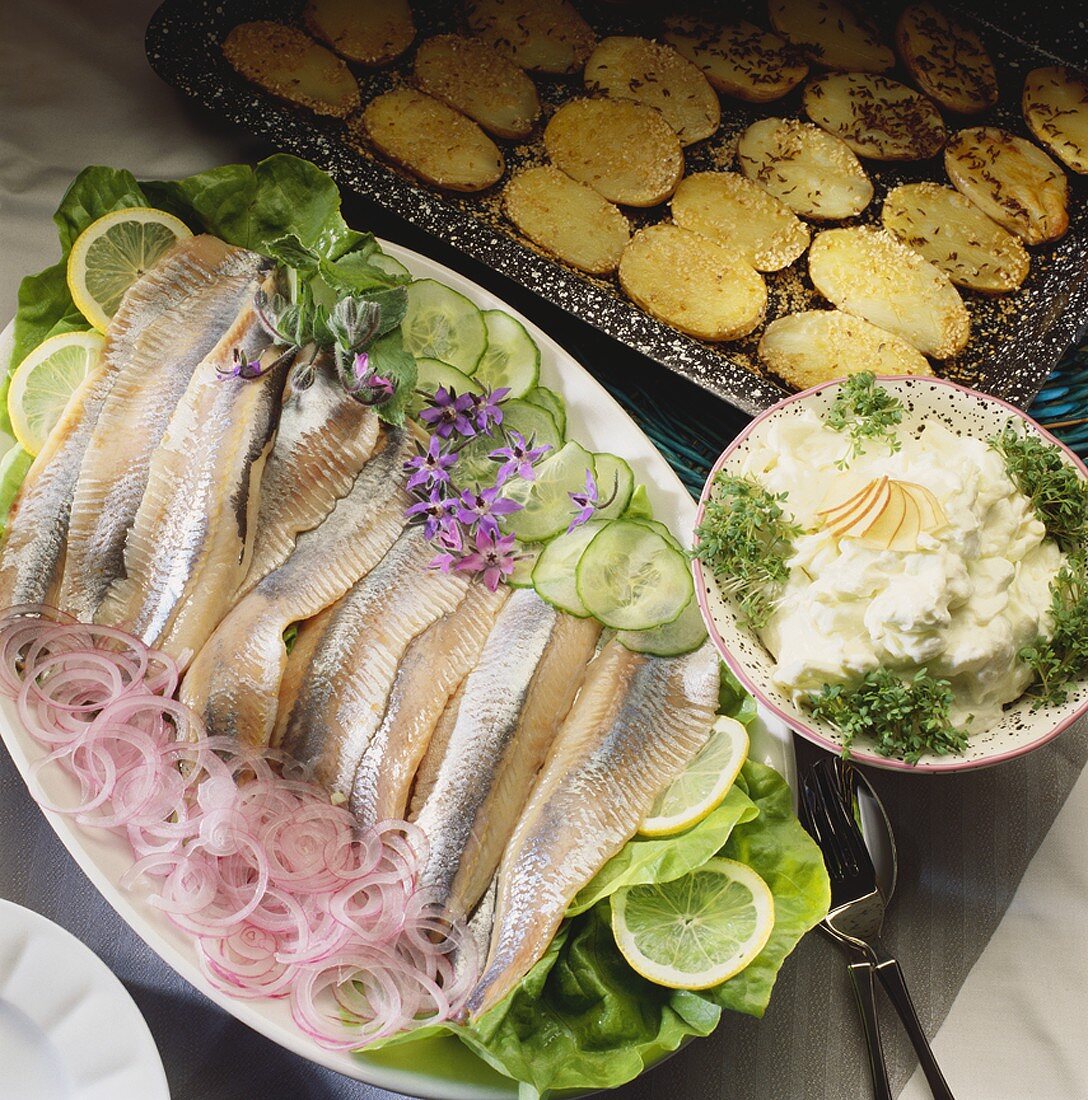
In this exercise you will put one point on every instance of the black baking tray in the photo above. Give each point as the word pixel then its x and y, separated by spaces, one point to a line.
pixel 1016 339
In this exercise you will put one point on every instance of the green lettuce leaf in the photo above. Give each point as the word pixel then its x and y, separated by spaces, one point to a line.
pixel 583 1019
pixel 646 859
pixel 780 851
pixel 96 191
pixel 45 309
pixel 254 207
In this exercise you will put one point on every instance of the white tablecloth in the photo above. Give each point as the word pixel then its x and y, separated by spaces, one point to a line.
pixel 75 89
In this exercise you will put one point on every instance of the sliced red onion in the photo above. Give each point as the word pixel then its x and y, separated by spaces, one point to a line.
pixel 283 892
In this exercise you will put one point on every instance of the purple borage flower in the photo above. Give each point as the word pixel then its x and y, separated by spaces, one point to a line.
pixel 449 413
pixel 367 385
pixel 518 457
pixel 491 559
pixel 481 509
pixel 431 467
pixel 486 411
pixel 451 543
pixel 241 367
pixel 586 502
pixel 435 511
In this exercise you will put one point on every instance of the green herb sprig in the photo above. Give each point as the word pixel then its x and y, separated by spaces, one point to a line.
pixel 1057 493
pixel 867 413
pixel 746 539
pixel 904 717
pixel 1061 661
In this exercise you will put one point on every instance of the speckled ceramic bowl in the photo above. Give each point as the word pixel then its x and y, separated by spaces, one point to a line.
pixel 965 412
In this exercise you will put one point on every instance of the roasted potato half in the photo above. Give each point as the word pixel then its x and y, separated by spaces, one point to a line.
pixel 878 118
pixel 625 67
pixel 292 66
pixel 692 283
pixel 832 33
pixel 1056 108
pixel 546 36
pixel 809 348
pixel 741 59
pixel 624 150
pixel 815 174
pixel 946 58
pixel 947 229
pixel 1011 180
pixel 375 32
pixel 567 219
pixel 732 210
pixel 869 273
pixel 479 82
pixel 432 141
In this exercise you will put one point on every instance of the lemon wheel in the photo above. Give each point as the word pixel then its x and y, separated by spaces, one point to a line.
pixel 112 253
pixel 700 788
pixel 696 931
pixel 44 382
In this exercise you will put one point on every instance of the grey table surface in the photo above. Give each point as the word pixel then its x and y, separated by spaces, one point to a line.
pixel 75 89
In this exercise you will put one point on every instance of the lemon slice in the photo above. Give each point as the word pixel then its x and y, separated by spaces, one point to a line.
pixel 701 787
pixel 697 931
pixel 112 253
pixel 45 380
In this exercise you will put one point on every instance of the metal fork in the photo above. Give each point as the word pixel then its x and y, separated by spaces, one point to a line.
pixel 828 800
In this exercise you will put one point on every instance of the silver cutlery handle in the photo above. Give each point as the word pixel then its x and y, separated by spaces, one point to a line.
pixel 861 976
pixel 891 977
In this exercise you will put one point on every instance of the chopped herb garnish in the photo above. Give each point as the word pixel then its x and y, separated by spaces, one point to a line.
pixel 905 717
pixel 1060 662
pixel 746 538
pixel 867 413
pixel 1057 492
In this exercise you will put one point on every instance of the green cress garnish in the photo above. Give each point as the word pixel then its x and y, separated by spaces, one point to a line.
pixel 746 539
pixel 867 413
pixel 904 717
pixel 1057 492
pixel 1059 497
pixel 1061 661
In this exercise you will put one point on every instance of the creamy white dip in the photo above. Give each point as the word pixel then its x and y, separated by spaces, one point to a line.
pixel 962 605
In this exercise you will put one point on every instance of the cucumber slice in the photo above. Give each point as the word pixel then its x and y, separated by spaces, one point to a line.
pixel 662 530
pixel 524 563
pixel 548 509
pixel 387 264
pixel 473 464
pixel 433 373
pixel 554 575
pixel 684 635
pixel 548 399
pixel 632 578
pixel 613 475
pixel 442 324
pixel 511 358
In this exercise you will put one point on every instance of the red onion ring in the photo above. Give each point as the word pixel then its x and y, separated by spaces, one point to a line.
pixel 282 891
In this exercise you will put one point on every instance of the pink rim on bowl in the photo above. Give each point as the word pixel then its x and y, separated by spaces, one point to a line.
pixel 791 718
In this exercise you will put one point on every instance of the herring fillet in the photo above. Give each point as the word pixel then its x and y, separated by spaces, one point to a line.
pixel 352 651
pixel 234 682
pixel 200 287
pixel 32 559
pixel 190 544
pixel 638 721
pixel 432 670
pixel 513 702
pixel 324 438
pixel 427 773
